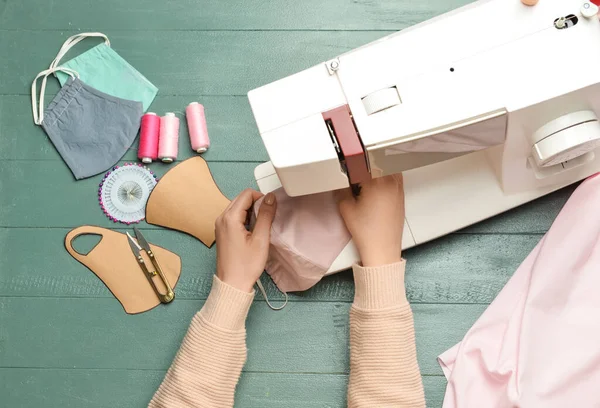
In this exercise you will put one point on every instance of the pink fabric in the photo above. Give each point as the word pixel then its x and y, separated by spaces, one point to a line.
pixel 308 233
pixel 538 343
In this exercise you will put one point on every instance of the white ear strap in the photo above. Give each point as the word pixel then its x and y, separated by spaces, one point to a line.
pixel 264 293
pixel 72 41
pixel 38 116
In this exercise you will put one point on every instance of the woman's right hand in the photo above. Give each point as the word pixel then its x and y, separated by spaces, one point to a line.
pixel 375 219
pixel 242 255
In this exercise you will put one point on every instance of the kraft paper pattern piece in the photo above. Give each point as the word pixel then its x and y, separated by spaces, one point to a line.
pixel 112 261
pixel 188 200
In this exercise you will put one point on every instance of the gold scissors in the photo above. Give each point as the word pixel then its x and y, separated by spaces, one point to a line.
pixel 142 245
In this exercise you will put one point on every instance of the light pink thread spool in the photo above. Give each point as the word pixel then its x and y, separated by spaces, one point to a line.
pixel 197 127
pixel 169 137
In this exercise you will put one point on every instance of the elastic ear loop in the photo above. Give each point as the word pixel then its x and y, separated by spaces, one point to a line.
pixel 72 41
pixel 38 117
pixel 264 293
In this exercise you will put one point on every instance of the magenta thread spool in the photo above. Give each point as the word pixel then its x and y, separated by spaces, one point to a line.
pixel 149 131
pixel 197 127
pixel 169 137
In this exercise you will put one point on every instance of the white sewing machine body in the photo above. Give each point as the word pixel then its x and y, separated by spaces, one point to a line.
pixel 482 109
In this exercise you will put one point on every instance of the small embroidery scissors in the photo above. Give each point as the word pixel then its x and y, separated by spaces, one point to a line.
pixel 142 245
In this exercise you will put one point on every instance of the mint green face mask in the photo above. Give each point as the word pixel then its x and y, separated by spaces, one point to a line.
pixel 102 68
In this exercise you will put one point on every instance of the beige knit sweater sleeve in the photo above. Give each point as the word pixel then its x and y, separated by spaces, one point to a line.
pixel 210 360
pixel 383 364
pixel 383 358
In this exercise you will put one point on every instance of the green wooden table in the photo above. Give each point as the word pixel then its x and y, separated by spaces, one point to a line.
pixel 66 342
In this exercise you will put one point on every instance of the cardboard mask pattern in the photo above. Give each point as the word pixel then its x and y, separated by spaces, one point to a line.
pixel 112 261
pixel 188 200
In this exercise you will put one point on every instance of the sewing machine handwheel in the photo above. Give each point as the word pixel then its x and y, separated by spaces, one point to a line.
pixel 567 144
pixel 566 138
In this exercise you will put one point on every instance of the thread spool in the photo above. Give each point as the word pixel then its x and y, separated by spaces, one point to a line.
pixel 197 127
pixel 169 137
pixel 149 131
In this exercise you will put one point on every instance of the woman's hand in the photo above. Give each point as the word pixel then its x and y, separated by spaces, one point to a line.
pixel 375 219
pixel 242 255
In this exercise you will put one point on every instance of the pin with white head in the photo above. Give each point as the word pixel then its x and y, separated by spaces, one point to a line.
pixel 589 9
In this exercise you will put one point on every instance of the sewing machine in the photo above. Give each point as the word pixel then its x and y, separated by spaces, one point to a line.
pixel 482 109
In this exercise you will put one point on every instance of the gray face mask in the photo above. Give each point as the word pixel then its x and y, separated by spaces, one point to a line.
pixel 90 129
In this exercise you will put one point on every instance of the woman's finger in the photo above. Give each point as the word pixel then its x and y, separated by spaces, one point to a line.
pixel 264 220
pixel 244 200
pixel 238 208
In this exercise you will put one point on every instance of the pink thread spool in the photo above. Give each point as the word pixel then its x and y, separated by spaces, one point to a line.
pixel 197 127
pixel 149 131
pixel 169 137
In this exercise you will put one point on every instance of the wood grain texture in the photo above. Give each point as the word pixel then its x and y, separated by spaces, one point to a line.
pixel 69 388
pixel 65 342
pixel 454 269
pixel 305 337
pixel 45 194
pixel 185 63
pixel 225 15
pixel 230 123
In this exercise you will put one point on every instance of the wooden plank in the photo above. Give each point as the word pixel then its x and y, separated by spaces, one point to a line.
pixel 45 194
pixel 209 15
pixel 75 351
pixel 231 127
pixel 68 388
pixel 191 63
pixel 453 269
pixel 305 337
pixel 234 138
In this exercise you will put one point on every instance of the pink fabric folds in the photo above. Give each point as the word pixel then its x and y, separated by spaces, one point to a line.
pixel 538 343
pixel 308 233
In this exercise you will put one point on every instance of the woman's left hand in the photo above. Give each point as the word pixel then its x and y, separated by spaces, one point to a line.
pixel 242 255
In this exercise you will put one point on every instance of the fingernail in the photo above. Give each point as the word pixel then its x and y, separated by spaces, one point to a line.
pixel 270 199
